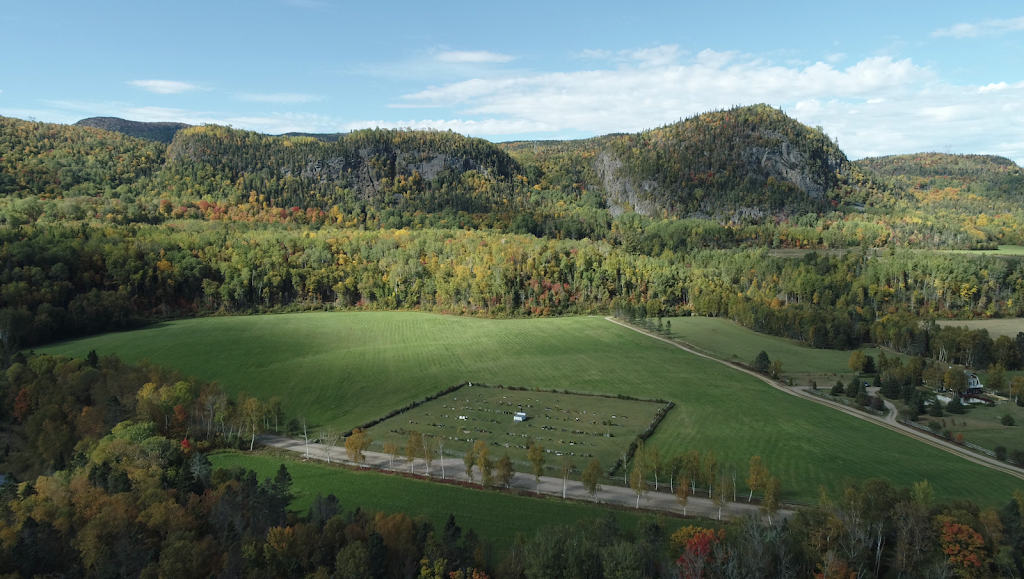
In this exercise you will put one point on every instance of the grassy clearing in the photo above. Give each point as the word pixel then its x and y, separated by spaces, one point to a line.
pixel 1007 250
pixel 996 327
pixel 345 369
pixel 728 340
pixel 980 425
pixel 497 517
pixel 564 424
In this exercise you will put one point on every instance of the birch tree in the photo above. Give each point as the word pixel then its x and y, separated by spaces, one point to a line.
pixel 591 476
pixel 305 435
pixel 506 470
pixel 428 450
pixel 758 476
pixel 484 462
pixel 772 496
pixel 638 477
pixel 683 496
pixel 356 444
pixel 567 467
pixel 392 450
pixel 724 487
pixel 469 460
pixel 654 462
pixel 710 470
pixel 413 445
pixel 440 440
pixel 536 456
pixel 329 438
pixel 674 467
pixel 691 469
pixel 252 413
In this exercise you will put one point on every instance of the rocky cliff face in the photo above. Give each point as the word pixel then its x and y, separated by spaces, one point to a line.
pixel 741 163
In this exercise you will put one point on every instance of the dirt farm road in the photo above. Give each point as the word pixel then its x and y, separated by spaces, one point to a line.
pixel 888 421
pixel 454 469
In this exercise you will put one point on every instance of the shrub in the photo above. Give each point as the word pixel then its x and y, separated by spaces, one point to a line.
pixel 935 409
pixel 1001 453
pixel 934 425
pixel 955 406
pixel 862 398
pixel 854 389
pixel 1007 420
pixel 762 363
pixel 869 365
pixel 838 389
pixel 1018 456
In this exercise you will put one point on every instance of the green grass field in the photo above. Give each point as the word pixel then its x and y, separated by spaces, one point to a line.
pixel 728 340
pixel 344 369
pixel 1003 250
pixel 579 426
pixel 980 425
pixel 495 516
pixel 996 327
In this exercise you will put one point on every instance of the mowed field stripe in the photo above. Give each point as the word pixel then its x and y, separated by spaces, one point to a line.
pixel 341 369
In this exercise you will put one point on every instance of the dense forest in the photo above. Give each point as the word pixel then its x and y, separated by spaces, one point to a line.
pixel 101 231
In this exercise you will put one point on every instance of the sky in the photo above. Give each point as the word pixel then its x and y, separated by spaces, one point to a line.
pixel 881 77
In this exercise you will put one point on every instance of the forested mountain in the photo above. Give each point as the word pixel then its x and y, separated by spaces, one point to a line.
pixel 100 231
pixel 160 132
pixel 745 163
pixel 56 160
pixel 432 170
pixel 751 160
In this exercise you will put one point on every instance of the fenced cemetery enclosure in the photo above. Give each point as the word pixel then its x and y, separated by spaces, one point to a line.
pixel 580 426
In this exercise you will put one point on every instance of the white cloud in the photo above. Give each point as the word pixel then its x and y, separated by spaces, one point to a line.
pixel 878 105
pixel 657 56
pixel 486 127
pixel 658 90
pixel 835 57
pixel 993 86
pixel 473 56
pixel 164 86
pixel 593 53
pixel 281 98
pixel 986 28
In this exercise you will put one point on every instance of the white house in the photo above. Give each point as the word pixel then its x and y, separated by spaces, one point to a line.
pixel 519 417
pixel 974 385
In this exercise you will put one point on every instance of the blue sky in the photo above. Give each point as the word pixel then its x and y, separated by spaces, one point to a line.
pixel 882 77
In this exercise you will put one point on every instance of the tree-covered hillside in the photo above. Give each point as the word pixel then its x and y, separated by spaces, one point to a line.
pixel 753 159
pixel 430 171
pixel 160 132
pixel 57 160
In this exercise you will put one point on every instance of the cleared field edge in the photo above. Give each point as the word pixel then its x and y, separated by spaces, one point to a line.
pixel 406 408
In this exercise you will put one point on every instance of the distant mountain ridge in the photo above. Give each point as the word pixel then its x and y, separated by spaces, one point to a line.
pixel 163 132
pixel 160 132
pixel 741 164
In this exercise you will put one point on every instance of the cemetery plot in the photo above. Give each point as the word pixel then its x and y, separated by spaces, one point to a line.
pixel 579 425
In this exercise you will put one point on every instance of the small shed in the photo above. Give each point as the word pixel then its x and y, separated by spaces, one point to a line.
pixel 519 417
